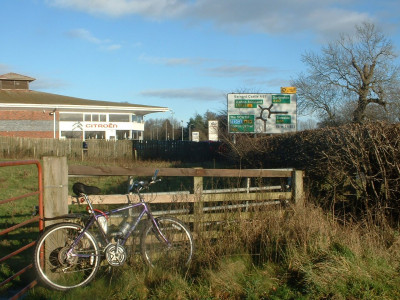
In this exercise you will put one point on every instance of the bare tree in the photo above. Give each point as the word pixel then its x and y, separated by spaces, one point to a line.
pixel 357 68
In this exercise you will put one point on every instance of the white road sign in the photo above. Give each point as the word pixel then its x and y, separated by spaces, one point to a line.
pixel 262 113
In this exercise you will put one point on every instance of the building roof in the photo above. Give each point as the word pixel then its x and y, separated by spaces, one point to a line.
pixel 15 76
pixel 28 99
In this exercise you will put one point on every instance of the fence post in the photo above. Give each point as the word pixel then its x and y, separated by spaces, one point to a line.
pixel 55 187
pixel 298 188
pixel 198 204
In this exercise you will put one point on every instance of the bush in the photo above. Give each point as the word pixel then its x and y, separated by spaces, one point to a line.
pixel 353 170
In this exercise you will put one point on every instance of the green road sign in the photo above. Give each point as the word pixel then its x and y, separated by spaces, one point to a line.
pixel 283 119
pixel 241 123
pixel 244 103
pixel 283 99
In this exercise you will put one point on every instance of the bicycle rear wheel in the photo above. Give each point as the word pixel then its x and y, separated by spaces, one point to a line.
pixel 60 270
pixel 174 254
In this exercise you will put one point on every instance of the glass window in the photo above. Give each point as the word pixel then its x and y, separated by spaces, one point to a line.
pixel 71 134
pixel 95 117
pixel 122 134
pixel 118 118
pixel 95 135
pixel 137 118
pixel 71 117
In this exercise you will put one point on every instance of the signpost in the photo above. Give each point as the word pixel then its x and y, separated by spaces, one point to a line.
pixel 213 131
pixel 262 113
pixel 195 136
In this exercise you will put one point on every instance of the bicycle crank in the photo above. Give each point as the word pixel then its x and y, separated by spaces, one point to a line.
pixel 115 255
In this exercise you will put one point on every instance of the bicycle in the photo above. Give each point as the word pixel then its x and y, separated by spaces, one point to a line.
pixel 68 255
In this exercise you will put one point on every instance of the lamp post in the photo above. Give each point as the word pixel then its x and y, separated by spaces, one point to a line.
pixel 172 122
pixel 190 131
pixel 182 128
pixel 53 113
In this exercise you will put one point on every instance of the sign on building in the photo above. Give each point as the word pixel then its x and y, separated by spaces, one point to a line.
pixel 262 113
pixel 213 131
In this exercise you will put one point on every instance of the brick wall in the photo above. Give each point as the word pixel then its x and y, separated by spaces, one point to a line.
pixel 27 123
pixel 29 134
pixel 27 115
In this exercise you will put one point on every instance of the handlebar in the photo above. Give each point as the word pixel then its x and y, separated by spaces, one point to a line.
pixel 139 185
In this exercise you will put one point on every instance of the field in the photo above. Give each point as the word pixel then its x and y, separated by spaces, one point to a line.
pixel 282 253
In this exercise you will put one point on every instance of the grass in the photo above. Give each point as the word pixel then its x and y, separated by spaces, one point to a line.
pixel 291 253
pixel 301 253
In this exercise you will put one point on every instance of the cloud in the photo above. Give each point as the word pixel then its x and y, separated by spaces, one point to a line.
pixel 199 94
pixel 112 47
pixel 238 70
pixel 86 35
pixel 117 8
pixel 270 17
pixel 171 61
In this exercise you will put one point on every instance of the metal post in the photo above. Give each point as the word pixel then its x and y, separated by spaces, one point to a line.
pixel 182 128
pixel 172 121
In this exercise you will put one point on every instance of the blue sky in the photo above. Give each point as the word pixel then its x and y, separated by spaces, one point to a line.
pixel 181 54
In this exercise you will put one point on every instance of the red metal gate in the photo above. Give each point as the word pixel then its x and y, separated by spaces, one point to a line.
pixel 38 218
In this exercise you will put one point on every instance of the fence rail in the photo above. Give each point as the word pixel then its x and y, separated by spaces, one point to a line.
pixel 199 201
pixel 205 207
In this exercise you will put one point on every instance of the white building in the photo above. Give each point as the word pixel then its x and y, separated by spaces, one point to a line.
pixel 27 113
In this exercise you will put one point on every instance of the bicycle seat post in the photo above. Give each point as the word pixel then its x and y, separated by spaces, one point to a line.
pixel 88 202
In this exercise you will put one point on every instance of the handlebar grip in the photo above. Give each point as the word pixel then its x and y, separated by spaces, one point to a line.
pixel 143 184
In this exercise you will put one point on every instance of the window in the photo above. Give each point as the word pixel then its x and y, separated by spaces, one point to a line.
pixel 95 118
pixel 119 118
pixel 122 134
pixel 71 134
pixel 138 119
pixel 100 135
pixel 71 117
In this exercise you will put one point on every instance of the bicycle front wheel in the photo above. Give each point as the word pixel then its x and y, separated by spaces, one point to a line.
pixel 172 249
pixel 62 269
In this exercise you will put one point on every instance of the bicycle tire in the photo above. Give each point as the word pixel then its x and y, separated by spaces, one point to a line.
pixel 155 251
pixel 53 267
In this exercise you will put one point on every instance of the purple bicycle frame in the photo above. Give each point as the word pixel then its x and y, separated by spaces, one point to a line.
pixel 95 216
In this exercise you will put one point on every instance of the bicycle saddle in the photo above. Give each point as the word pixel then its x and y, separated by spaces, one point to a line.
pixel 81 188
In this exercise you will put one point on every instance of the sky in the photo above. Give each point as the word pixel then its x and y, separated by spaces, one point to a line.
pixel 182 54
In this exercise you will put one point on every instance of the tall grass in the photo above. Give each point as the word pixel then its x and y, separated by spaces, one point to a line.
pixel 291 253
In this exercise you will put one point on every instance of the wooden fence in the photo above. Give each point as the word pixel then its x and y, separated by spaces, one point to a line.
pixel 187 151
pixel 16 147
pixel 201 206
pixel 177 150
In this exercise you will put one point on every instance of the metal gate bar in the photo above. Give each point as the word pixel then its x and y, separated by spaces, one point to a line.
pixel 39 219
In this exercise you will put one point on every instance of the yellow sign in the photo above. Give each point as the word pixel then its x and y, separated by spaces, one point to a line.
pixel 288 90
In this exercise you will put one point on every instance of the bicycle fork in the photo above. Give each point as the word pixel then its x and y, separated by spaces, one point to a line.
pixel 159 233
